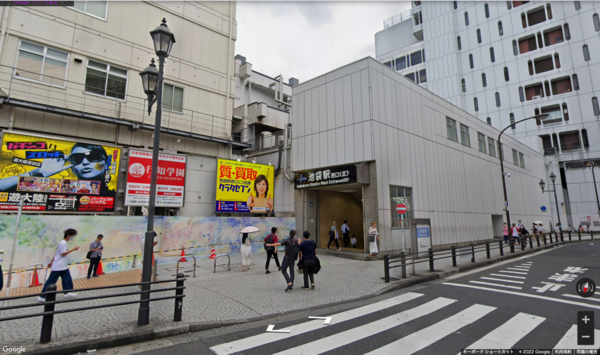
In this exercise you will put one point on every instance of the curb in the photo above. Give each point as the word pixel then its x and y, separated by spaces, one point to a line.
pixel 144 335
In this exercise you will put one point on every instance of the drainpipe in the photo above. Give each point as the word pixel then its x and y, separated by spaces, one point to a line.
pixel 11 121
pixel 229 57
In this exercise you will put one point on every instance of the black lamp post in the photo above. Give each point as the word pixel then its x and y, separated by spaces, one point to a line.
pixel 152 80
pixel 501 151
pixel 542 185
pixel 592 165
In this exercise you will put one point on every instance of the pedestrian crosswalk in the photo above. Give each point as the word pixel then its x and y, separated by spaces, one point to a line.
pixel 407 324
pixel 507 278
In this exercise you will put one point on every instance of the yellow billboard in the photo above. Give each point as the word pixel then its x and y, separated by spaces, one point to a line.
pixel 244 187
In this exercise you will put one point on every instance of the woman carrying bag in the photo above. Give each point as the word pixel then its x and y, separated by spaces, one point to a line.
pixel 246 251
pixel 373 237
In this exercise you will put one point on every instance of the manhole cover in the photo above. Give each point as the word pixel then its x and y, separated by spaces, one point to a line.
pixel 391 278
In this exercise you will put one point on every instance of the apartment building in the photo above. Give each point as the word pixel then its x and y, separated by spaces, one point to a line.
pixel 506 61
pixel 72 73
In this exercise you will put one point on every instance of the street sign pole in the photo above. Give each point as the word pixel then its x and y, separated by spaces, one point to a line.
pixel 403 245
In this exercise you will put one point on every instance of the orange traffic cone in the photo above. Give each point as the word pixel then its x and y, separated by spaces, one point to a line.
pixel 99 270
pixel 212 254
pixel 183 259
pixel 35 281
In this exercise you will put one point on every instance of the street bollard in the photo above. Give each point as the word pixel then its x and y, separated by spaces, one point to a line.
pixel 487 249
pixel 48 319
pixel 501 248
pixel 544 236
pixel 431 260
pixel 579 232
pixel 403 263
pixel 386 268
pixel 179 298
pixel 592 234
pixel 472 253
pixel 569 235
pixel 537 237
pixel 523 244
pixel 530 242
pixel 511 243
pixel 562 238
pixel 453 256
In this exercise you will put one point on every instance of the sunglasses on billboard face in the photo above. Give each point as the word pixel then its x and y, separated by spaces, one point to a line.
pixel 92 157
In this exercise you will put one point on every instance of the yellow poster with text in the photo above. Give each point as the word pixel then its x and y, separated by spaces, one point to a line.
pixel 244 187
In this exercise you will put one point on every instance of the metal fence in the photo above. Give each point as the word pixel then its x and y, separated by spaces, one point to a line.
pixel 406 15
pixel 451 258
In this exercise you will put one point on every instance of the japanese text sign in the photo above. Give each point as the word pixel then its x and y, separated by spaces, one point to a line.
pixel 244 187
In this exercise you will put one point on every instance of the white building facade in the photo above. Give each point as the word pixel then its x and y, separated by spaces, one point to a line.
pixel 506 61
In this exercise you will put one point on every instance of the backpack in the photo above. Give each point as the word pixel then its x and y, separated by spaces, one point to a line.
pixel 294 250
pixel 269 240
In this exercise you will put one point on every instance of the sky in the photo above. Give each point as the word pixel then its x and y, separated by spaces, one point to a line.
pixel 307 39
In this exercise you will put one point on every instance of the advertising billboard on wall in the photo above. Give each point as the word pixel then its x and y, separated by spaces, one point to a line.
pixel 57 175
pixel 170 182
pixel 244 187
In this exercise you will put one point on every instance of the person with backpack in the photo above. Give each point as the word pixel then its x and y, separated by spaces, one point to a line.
pixel 292 249
pixel 308 251
pixel 271 251
pixel 333 236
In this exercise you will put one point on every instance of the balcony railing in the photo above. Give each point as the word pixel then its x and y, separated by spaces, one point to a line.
pixel 406 15
pixel 268 141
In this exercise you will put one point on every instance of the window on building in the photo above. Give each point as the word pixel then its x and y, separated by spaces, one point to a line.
pixel 525 45
pixel 423 51
pixel 515 48
pixel 577 5
pixel 486 9
pixel 497 99
pixel 105 80
pixel 536 16
pixel 410 76
pixel 534 91
pixel 565 111
pixel 401 63
pixel 399 194
pixel 500 29
pixel 524 20
pixel 464 85
pixel 543 65
pixel 556 61
pixel 569 141
pixel 521 94
pixel 478 35
pixel 483 80
pixel 512 121
pixel 423 76
pixel 451 128
pixel 481 142
pixel 586 53
pixel 521 160
pixel 596 22
pixel 553 36
pixel 471 63
pixel 519 3
pixel 561 86
pixel 417 3
pixel 41 63
pixel 549 11
pixel 455 5
pixel 506 77
pixel 476 104
pixel 416 58
pixel 418 18
pixel 515 157
pixel 388 64
pixel 172 98
pixel 465 138
pixel 575 82
pixel 489 121
pixel 530 65
pixel 554 114
pixel 584 138
pixel 491 147
pixel 492 55
pixel 94 8
pixel 567 31
pixel 509 5
pixel 459 45
pixel 466 18
pixel 595 106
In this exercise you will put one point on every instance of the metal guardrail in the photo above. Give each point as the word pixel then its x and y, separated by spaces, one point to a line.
pixel 194 267
pixel 397 19
pixel 403 261
pixel 51 302
pixel 228 262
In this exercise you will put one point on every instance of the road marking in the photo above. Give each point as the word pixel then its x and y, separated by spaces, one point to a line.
pixel 569 340
pixel 427 336
pixel 498 285
pixel 265 338
pixel 522 267
pixel 512 277
pixel 509 333
pixel 509 281
pixel 579 298
pixel 517 269
pixel 271 328
pixel 327 319
pixel 524 295
pixel 355 334
pixel 513 272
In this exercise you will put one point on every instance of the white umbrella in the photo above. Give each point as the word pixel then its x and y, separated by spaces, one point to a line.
pixel 250 230
pixel 538 222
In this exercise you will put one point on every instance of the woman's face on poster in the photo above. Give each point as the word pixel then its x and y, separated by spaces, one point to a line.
pixel 261 187
pixel 87 164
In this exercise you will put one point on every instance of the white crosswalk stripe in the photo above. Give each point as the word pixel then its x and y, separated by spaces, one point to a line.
pixel 502 280
pixel 497 285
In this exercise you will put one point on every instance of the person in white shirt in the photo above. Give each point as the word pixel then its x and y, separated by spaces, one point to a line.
pixel 353 241
pixel 60 268
pixel 373 245
pixel 346 233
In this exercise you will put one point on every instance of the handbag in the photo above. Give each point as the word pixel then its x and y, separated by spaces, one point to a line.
pixel 332 234
pixel 89 255
pixel 317 266
pixel 371 238
pixel 300 266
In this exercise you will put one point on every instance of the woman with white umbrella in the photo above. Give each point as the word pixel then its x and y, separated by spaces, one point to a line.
pixel 246 248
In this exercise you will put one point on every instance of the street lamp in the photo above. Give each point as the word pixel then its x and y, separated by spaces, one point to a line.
pixel 152 80
pixel 542 185
pixel 537 117
pixel 592 165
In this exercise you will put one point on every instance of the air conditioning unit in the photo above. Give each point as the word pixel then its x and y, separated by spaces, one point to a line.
pixel 536 97
pixel 261 111
pixel 280 141
pixel 266 139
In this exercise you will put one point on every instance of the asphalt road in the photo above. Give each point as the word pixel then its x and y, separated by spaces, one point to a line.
pixel 526 303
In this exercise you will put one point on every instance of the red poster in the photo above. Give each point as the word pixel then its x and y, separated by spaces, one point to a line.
pixel 170 179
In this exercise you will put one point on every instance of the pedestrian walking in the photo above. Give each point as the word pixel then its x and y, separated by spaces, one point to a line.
pixel 143 243
pixel 353 240
pixel 271 251
pixel 534 230
pixel 246 251
pixel 60 268
pixel 292 249
pixel 333 236
pixel 308 252
pixel 95 254
pixel 515 233
pixel 346 233
pixel 373 238
pixel 505 233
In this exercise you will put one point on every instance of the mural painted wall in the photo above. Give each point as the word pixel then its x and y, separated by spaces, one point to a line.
pixel 40 234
